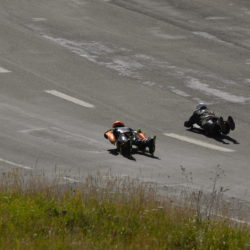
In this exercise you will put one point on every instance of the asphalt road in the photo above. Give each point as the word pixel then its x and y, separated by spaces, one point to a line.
pixel 147 63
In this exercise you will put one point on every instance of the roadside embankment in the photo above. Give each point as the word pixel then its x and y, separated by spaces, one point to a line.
pixel 105 213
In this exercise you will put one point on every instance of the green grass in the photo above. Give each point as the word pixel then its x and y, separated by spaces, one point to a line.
pixel 103 214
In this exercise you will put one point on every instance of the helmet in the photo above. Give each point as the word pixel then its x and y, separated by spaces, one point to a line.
pixel 201 106
pixel 118 124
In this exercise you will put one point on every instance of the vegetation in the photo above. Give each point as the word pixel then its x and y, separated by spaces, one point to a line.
pixel 105 213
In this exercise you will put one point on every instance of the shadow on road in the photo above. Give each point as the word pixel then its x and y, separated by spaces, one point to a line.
pixel 147 155
pixel 114 152
pixel 225 139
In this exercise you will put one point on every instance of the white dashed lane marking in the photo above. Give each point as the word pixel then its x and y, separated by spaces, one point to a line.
pixel 69 98
pixel 198 142
pixel 14 164
pixel 3 70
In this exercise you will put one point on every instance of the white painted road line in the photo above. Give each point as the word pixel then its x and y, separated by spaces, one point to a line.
pixel 198 142
pixel 14 164
pixel 70 98
pixel 3 70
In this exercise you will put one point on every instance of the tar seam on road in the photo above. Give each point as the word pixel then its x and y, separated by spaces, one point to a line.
pixel 69 98
pixel 39 19
pixel 198 142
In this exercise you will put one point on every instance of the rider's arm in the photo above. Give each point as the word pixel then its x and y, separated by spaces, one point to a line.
pixel 192 120
pixel 105 134
pixel 109 130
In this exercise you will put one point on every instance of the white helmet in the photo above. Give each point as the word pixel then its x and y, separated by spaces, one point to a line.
pixel 201 106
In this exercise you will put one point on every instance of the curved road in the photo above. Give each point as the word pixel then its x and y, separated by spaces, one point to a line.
pixel 69 68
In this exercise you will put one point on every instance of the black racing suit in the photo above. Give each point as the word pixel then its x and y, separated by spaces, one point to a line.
pixel 129 132
pixel 201 117
pixel 123 130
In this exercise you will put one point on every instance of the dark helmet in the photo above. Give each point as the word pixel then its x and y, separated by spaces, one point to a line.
pixel 201 106
pixel 118 124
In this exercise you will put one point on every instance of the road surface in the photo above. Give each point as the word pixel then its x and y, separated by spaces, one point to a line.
pixel 69 68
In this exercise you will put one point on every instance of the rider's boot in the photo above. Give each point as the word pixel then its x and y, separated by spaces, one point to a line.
pixel 231 122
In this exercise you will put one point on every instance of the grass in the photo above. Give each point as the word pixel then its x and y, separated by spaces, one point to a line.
pixel 105 213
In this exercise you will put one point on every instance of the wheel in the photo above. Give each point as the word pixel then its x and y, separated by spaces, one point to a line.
pixel 231 122
pixel 152 146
